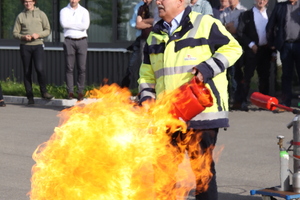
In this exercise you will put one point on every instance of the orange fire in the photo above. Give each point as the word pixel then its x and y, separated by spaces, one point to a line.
pixel 109 149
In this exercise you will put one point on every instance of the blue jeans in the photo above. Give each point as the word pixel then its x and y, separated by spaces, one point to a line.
pixel 290 57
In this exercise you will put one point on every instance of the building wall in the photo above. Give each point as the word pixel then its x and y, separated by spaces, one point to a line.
pixel 102 64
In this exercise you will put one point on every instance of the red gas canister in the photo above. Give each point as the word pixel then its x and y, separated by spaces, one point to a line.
pixel 192 98
pixel 264 101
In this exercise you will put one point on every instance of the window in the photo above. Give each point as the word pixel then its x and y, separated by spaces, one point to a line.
pixel 109 27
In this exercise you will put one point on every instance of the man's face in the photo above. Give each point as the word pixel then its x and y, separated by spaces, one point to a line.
pixel 292 1
pixel 261 3
pixel 169 9
pixel 74 3
pixel 29 4
pixel 147 1
pixel 193 1
pixel 224 3
pixel 234 3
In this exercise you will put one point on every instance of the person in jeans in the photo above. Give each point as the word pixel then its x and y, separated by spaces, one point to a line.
pixel 75 21
pixel 31 26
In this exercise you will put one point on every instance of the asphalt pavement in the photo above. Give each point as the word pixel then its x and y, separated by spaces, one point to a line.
pixel 249 159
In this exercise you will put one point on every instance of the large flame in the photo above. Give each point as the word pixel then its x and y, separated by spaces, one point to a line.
pixel 110 149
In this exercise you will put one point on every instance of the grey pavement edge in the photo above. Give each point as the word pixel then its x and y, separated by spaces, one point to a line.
pixel 40 101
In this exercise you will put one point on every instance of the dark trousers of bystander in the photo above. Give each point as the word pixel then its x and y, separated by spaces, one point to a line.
pixel 261 62
pixel 134 63
pixel 33 54
pixel 290 58
pixel 75 50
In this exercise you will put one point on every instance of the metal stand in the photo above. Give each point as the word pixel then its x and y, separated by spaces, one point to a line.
pixel 285 190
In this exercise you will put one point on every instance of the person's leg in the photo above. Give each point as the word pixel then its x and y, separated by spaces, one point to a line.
pixel 69 52
pixel 26 56
pixel 200 150
pixel 133 65
pixel 287 73
pixel 296 53
pixel 249 69
pixel 264 56
pixel 37 56
pixel 81 55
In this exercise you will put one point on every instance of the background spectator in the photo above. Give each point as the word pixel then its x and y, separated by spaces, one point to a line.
pixel 201 6
pixel 135 57
pixel 283 35
pixel 230 18
pixel 75 21
pixel 219 9
pixel 257 54
pixel 31 26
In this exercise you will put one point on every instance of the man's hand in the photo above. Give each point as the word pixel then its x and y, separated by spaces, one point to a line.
pixel 196 72
pixel 230 27
pixel 35 36
pixel 254 48
pixel 27 37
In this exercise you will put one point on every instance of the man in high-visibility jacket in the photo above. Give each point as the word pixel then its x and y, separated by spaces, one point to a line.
pixel 181 45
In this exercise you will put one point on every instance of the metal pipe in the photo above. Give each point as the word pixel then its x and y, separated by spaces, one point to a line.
pixel 296 154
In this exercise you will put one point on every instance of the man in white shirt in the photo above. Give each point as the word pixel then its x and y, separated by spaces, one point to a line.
pixel 257 54
pixel 75 21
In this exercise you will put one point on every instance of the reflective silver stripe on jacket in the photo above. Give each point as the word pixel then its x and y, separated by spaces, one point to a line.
pixel 146 93
pixel 211 116
pixel 196 24
pixel 173 70
pixel 222 58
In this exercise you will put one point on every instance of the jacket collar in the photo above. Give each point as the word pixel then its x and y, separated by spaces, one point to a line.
pixel 159 27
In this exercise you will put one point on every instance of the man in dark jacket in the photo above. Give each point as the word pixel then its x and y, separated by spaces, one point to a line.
pixel 283 35
pixel 251 32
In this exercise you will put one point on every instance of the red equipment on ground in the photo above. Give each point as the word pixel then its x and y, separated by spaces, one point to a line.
pixel 269 103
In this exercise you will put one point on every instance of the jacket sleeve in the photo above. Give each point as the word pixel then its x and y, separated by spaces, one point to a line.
pixel 147 78
pixel 242 37
pixel 17 29
pixel 270 28
pixel 46 26
pixel 225 51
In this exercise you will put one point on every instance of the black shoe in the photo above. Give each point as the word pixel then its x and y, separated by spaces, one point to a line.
pixel 244 107
pixel 2 104
pixel 30 101
pixel 47 96
pixel 70 96
pixel 80 97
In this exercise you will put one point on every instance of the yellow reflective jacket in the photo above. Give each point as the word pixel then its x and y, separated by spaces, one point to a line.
pixel 199 41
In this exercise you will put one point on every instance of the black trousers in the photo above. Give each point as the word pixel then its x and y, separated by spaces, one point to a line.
pixel 32 55
pixel 290 58
pixel 261 62
pixel 199 146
